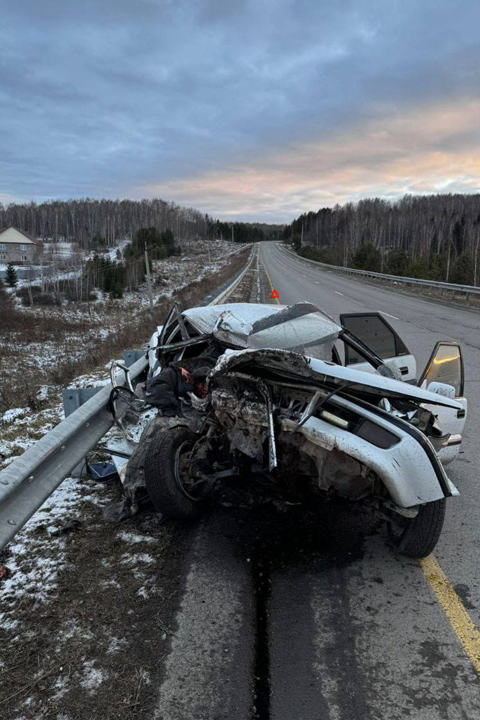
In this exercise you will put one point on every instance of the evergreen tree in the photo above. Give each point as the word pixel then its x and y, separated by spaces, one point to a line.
pixel 462 270
pixel 11 275
pixel 148 238
pixel 168 241
pixel 367 257
pixel 97 241
pixel 458 236
pixel 398 262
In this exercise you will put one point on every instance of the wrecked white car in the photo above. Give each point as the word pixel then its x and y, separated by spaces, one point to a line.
pixel 313 409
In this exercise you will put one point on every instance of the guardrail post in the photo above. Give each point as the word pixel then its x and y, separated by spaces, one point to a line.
pixel 131 356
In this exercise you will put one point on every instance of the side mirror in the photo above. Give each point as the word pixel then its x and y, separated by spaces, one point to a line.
pixel 442 389
pixel 444 367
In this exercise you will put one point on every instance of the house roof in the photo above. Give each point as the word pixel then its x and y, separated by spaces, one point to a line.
pixel 22 232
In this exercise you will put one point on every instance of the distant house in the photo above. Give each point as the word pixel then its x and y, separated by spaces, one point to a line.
pixel 19 247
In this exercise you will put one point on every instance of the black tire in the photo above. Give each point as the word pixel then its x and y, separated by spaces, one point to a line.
pixel 162 478
pixel 419 535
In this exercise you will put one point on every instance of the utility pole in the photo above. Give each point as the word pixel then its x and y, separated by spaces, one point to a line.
pixel 149 280
pixel 233 239
pixel 30 294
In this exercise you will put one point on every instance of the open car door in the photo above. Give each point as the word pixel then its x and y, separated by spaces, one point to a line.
pixel 373 330
pixel 444 373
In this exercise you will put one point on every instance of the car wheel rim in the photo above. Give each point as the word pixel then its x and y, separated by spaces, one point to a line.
pixel 193 489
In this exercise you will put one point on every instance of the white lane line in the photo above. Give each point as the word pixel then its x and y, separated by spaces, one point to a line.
pixel 304 276
pixel 316 281
pixel 338 293
pixel 388 315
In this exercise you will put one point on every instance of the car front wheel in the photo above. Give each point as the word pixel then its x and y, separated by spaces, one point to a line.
pixel 416 537
pixel 170 486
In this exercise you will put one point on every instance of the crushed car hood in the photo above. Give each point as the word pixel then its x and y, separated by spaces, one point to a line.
pixel 301 327
pixel 294 365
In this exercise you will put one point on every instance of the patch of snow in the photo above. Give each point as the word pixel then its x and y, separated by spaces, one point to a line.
pixel 92 677
pixel 71 628
pixel 115 645
pixel 138 574
pixel 59 249
pixel 14 413
pixel 8 461
pixel 105 584
pixel 134 538
pixel 61 687
pixel 7 623
pixel 137 558
pixel 5 448
pixel 42 393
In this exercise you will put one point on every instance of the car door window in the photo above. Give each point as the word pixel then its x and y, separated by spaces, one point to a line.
pixel 374 331
pixel 445 366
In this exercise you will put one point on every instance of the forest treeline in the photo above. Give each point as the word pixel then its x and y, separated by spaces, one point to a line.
pixel 92 223
pixel 111 220
pixel 244 232
pixel 433 236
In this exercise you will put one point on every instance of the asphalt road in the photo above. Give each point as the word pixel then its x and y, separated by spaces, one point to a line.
pixel 290 617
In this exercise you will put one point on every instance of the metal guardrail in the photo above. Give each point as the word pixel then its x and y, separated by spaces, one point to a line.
pixel 29 480
pixel 452 287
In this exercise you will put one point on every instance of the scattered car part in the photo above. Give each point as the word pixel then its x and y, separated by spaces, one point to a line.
pixel 102 471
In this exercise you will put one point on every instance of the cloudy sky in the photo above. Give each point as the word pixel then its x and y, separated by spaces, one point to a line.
pixel 245 109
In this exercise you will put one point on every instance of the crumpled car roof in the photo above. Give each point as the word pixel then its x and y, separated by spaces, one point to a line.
pixel 301 327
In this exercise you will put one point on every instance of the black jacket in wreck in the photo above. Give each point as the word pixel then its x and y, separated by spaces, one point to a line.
pixel 165 390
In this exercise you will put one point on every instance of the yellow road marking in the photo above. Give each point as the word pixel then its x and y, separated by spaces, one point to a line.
pixel 271 284
pixel 453 608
